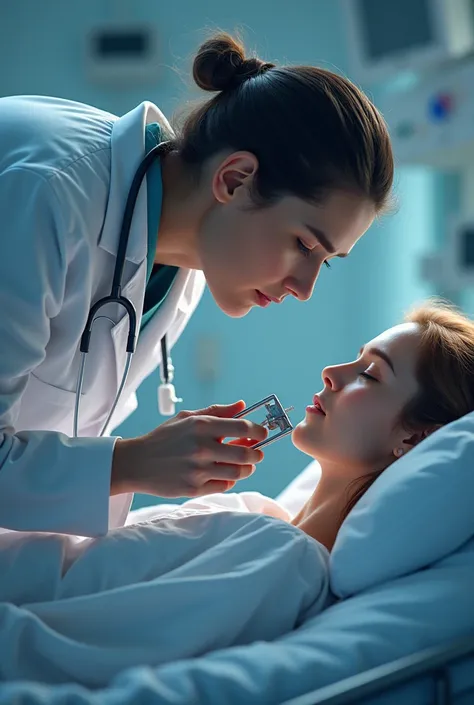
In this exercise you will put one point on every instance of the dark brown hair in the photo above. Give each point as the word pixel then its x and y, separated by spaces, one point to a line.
pixel 311 130
pixel 445 373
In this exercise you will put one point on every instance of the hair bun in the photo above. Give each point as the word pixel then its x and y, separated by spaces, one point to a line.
pixel 220 64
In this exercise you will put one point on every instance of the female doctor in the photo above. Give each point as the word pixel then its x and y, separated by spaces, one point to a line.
pixel 283 169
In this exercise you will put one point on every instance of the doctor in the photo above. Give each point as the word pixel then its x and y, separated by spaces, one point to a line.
pixel 283 169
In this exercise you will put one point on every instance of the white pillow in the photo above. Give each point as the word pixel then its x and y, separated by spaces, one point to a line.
pixel 297 493
pixel 418 511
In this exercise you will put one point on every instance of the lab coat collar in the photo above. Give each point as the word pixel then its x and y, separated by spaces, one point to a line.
pixel 127 151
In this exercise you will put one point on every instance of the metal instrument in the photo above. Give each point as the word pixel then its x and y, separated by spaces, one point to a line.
pixel 275 418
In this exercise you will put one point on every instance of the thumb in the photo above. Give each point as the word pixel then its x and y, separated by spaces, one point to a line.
pixel 221 410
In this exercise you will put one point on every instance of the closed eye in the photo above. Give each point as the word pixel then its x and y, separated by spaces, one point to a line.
pixel 369 377
pixel 306 251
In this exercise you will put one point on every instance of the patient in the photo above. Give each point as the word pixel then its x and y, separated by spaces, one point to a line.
pixel 218 571
pixel 405 383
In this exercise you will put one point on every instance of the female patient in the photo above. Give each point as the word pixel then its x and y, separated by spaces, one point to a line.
pixel 404 384
pixel 198 578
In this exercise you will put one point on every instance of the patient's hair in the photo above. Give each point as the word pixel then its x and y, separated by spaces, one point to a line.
pixel 445 373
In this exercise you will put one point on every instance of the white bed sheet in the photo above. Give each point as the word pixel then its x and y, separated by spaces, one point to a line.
pixel 391 621
pixel 190 582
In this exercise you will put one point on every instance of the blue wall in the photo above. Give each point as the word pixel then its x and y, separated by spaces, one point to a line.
pixel 281 350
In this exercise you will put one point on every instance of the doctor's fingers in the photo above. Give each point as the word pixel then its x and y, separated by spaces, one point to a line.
pixel 230 454
pixel 212 486
pixel 223 472
pixel 226 428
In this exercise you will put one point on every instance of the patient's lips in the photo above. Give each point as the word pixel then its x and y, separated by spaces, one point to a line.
pixel 316 407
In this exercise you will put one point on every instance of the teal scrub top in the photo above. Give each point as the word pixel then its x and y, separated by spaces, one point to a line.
pixel 159 277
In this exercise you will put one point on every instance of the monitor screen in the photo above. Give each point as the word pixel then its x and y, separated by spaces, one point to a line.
pixel 392 27
pixel 121 44
pixel 466 252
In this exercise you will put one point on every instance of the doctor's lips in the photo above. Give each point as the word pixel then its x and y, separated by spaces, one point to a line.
pixel 316 407
pixel 265 300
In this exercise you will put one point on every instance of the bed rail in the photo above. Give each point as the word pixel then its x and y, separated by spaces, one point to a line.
pixel 433 663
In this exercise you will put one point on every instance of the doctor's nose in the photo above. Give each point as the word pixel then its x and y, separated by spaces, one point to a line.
pixel 302 286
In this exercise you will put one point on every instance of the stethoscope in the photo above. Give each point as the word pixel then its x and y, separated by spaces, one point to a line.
pixel 166 393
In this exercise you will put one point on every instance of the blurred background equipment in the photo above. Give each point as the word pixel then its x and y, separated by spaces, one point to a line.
pixel 415 59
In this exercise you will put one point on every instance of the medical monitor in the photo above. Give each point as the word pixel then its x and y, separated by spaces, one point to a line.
pixel 388 37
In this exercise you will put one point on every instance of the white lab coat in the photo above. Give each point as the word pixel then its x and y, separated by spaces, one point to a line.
pixel 65 172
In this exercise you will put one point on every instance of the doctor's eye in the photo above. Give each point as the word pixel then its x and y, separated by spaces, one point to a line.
pixel 302 247
pixel 306 251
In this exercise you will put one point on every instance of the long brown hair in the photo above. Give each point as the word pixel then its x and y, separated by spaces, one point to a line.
pixel 311 130
pixel 445 373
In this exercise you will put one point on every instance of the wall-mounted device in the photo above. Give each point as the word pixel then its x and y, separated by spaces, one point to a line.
pixel 122 53
pixel 452 267
pixel 387 37
pixel 432 123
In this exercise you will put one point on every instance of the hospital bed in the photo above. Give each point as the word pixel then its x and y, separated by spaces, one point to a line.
pixel 433 667
pixel 434 673
pixel 401 628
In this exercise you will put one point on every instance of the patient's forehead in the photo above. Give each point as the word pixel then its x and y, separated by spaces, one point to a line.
pixel 401 344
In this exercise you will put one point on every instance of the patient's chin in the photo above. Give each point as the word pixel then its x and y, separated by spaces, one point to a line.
pixel 302 440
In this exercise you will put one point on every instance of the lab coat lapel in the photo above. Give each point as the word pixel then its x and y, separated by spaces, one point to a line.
pixel 127 151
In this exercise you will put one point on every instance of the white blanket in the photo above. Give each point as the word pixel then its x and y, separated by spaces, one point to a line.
pixel 197 579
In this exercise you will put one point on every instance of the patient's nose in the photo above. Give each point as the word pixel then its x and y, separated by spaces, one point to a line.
pixel 332 377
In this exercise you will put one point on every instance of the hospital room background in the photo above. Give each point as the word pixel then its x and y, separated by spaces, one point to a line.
pixel 45 49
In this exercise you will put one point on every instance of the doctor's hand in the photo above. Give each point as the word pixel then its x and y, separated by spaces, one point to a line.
pixel 185 457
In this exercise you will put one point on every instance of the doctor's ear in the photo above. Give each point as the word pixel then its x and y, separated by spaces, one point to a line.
pixel 236 170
